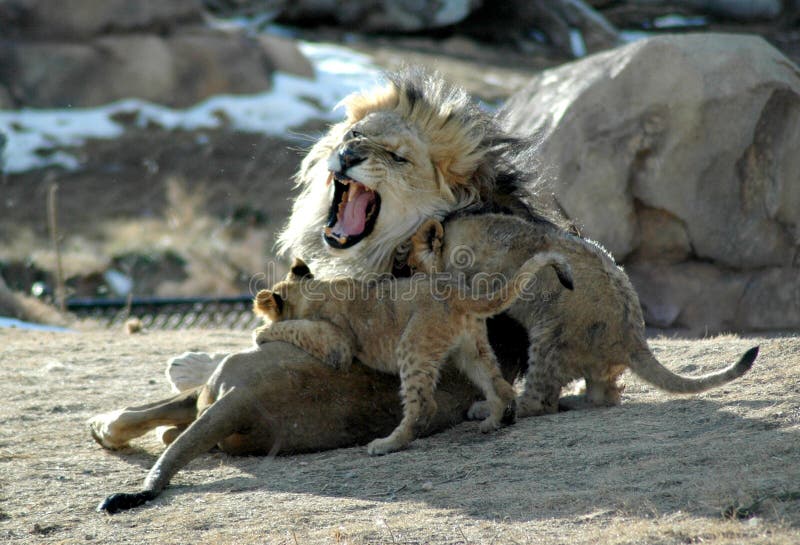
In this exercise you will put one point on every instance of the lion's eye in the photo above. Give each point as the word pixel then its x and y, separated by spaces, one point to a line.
pixel 356 134
pixel 397 159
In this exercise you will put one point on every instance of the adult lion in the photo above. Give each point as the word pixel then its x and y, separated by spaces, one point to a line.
pixel 415 149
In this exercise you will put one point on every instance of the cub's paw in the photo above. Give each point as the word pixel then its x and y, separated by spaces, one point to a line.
pixel 489 424
pixel 379 447
pixel 479 410
pixel 261 335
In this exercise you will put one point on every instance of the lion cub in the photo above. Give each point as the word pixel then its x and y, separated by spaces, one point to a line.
pixel 594 332
pixel 409 326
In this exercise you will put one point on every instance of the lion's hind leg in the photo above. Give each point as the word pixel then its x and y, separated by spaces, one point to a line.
pixel 113 430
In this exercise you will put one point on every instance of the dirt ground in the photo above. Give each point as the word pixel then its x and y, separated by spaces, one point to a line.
pixel 660 469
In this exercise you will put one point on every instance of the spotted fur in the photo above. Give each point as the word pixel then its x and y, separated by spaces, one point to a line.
pixel 594 332
pixel 409 327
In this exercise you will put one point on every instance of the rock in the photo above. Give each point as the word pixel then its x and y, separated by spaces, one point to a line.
pixel 663 237
pixel 705 127
pixel 771 301
pixel 285 56
pixel 379 15
pixel 77 19
pixel 695 297
pixel 740 10
pixel 176 70
pixel 701 299
pixel 6 102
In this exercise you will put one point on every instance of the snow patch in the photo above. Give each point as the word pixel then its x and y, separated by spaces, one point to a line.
pixel 35 136
pixel 19 324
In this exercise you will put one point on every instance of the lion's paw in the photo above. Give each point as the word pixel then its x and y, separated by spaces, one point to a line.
pixel 102 427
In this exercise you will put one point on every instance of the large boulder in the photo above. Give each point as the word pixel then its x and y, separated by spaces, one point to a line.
pixel 78 19
pixel 377 15
pixel 680 149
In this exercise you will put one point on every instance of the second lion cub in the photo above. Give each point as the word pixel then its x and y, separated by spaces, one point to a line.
pixel 409 326
pixel 594 332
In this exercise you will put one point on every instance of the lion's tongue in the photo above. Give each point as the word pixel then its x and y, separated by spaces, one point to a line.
pixel 353 218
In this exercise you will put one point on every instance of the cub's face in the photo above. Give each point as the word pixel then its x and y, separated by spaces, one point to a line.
pixel 382 179
pixel 287 300
pixel 283 302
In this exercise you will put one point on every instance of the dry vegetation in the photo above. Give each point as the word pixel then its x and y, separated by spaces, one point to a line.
pixel 182 251
pixel 659 469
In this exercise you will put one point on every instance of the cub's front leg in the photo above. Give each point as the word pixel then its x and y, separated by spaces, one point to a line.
pixel 321 339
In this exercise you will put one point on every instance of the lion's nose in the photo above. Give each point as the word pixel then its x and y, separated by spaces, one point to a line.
pixel 349 158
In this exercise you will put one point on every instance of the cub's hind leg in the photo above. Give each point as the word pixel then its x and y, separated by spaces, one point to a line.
pixel 602 386
pixel 544 379
pixel 543 383
pixel 478 362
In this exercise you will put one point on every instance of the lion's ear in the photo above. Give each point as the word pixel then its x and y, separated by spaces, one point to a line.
pixel 268 303
pixel 300 270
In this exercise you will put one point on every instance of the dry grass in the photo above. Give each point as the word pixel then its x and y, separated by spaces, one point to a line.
pixel 659 469
pixel 219 255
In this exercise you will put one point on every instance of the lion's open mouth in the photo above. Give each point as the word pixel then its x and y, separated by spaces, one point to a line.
pixel 353 212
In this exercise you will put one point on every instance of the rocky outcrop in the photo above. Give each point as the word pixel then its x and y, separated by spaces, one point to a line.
pixel 679 154
pixel 375 15
pixel 85 53
pixel 71 20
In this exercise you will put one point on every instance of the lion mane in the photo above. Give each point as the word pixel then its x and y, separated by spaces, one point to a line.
pixel 475 165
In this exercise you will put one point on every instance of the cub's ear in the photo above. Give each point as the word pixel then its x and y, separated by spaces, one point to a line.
pixel 300 270
pixel 268 303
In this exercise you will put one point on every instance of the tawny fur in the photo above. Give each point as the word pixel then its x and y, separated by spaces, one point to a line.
pixel 594 332
pixel 276 398
pixel 409 327
pixel 453 155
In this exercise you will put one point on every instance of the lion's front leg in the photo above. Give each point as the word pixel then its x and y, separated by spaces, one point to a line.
pixel 321 339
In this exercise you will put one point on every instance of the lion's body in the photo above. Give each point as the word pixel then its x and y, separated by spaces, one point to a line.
pixel 593 332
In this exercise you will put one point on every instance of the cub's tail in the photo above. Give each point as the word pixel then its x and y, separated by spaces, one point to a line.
pixel 646 366
pixel 504 296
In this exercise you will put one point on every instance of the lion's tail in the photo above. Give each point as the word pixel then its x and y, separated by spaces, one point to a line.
pixel 646 366
pixel 504 296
